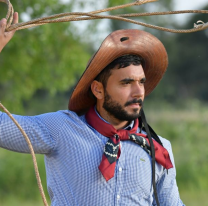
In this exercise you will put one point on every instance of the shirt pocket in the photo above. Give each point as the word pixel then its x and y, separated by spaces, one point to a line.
pixel 137 175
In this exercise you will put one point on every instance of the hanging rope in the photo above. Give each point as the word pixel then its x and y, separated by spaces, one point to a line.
pixel 80 16
pixel 32 153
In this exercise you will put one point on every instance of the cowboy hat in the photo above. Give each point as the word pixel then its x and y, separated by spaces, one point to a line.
pixel 119 43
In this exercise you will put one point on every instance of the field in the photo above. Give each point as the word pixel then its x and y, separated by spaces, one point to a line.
pixel 186 128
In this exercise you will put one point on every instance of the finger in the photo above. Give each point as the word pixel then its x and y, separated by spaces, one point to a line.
pixel 15 18
pixel 3 25
pixel 15 21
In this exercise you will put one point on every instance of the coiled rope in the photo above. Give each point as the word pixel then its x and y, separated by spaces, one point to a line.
pixel 80 16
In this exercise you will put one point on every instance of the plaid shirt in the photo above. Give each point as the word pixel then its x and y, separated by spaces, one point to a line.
pixel 73 151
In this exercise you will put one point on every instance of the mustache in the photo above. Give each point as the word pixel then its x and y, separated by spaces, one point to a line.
pixel 134 101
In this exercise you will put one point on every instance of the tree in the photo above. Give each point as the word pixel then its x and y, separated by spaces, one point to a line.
pixel 162 5
pixel 187 71
pixel 47 58
pixel 191 62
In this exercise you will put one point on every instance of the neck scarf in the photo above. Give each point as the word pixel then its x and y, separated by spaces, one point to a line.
pixel 112 147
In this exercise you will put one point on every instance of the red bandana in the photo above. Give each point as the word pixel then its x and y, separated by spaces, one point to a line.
pixel 112 147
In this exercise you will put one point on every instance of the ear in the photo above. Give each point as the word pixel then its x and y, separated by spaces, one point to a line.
pixel 97 89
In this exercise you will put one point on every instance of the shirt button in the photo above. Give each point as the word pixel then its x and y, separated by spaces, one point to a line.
pixel 118 197
pixel 120 169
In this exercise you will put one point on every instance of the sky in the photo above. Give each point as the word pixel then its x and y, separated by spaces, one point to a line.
pixel 189 4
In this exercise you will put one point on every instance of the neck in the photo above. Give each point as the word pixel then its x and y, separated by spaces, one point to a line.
pixel 116 123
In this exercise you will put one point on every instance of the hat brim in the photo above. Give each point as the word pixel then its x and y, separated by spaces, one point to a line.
pixel 119 43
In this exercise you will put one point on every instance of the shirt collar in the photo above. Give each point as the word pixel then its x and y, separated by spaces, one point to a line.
pixel 128 127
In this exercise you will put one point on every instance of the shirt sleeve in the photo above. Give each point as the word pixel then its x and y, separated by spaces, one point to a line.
pixel 42 131
pixel 167 188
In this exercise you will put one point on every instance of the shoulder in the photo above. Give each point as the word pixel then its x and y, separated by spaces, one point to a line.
pixel 166 143
pixel 59 118
pixel 59 115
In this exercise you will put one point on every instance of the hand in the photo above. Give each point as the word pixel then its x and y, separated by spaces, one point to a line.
pixel 6 36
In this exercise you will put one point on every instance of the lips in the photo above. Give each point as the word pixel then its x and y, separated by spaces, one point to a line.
pixel 134 102
pixel 136 106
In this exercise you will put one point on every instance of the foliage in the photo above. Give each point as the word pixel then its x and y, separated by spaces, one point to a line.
pixel 188 59
pixel 42 58
pixel 17 178
pixel 186 129
pixel 162 5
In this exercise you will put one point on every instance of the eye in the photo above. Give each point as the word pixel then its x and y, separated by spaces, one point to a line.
pixel 143 80
pixel 126 82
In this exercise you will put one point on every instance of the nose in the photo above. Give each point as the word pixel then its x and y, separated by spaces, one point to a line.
pixel 138 90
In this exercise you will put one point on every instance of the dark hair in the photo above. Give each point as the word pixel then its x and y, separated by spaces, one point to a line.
pixel 120 62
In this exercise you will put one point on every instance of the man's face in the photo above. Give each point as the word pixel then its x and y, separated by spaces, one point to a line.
pixel 125 92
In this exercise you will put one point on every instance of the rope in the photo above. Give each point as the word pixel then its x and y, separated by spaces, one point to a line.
pixel 80 16
pixel 32 153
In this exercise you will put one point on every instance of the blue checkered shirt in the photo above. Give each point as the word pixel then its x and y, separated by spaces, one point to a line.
pixel 73 151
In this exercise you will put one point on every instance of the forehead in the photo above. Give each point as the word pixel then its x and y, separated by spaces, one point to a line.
pixel 132 71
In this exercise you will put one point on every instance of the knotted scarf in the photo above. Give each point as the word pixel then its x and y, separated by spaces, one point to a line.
pixel 112 147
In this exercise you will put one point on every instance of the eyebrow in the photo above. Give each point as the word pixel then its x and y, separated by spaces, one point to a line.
pixel 131 80
pixel 127 80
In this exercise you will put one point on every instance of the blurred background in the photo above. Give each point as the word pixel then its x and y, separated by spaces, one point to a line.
pixel 41 65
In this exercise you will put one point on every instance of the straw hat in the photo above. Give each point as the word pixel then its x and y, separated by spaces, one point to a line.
pixel 119 43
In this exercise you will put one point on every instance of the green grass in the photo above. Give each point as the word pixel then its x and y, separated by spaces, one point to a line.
pixel 14 201
pixel 187 130
pixel 194 198
pixel 18 185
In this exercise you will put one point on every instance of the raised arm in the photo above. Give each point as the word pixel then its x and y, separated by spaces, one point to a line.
pixel 6 36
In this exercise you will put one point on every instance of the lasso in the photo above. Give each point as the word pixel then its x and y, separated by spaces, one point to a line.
pixel 80 16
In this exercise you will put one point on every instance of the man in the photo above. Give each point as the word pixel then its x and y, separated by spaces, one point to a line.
pixel 101 151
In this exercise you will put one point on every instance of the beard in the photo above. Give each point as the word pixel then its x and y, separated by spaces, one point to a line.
pixel 117 110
